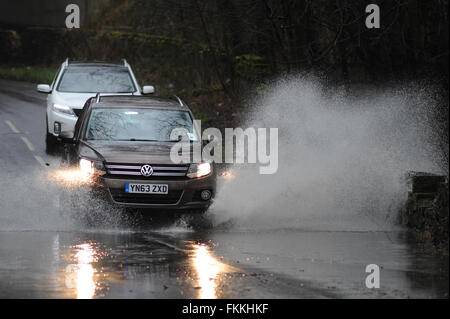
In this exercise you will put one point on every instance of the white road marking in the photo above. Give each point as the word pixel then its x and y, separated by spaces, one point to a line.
pixel 28 143
pixel 40 160
pixel 171 246
pixel 12 127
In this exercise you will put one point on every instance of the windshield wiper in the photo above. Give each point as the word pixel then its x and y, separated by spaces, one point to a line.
pixel 139 140
pixel 176 141
pixel 148 140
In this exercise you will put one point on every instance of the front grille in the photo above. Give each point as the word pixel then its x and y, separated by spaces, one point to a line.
pixel 121 197
pixel 77 112
pixel 160 171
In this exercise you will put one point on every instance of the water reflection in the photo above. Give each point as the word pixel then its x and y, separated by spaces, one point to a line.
pixel 123 264
pixel 207 268
pixel 81 275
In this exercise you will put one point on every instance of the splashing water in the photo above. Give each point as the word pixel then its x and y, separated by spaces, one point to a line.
pixel 32 201
pixel 342 164
pixel 61 200
pixel 342 158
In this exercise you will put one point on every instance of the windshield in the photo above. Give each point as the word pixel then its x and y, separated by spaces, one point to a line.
pixel 137 124
pixel 93 80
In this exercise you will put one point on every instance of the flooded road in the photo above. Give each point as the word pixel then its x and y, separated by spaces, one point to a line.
pixel 215 264
pixel 46 255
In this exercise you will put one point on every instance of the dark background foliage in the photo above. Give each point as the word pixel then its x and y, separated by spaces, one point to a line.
pixel 243 41
pixel 214 52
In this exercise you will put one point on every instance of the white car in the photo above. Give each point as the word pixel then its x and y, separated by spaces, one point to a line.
pixel 74 84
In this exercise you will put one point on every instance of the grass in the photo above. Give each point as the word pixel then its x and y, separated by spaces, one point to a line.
pixel 28 73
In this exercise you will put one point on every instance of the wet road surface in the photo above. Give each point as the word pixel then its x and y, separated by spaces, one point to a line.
pixel 45 255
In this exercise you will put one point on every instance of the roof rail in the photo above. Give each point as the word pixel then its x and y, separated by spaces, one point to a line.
pixel 124 62
pixel 179 100
pixel 97 98
pixel 66 62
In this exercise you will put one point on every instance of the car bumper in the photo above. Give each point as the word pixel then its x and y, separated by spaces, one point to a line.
pixel 67 122
pixel 182 195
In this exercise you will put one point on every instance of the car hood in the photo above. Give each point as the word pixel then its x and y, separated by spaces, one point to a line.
pixel 131 152
pixel 76 100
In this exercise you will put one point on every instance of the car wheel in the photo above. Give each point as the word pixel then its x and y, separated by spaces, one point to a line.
pixel 198 220
pixel 75 205
pixel 51 143
pixel 66 204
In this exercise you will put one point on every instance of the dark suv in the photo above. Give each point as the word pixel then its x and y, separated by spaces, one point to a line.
pixel 122 144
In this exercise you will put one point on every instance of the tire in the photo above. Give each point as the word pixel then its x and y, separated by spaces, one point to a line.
pixel 66 202
pixel 80 206
pixel 198 220
pixel 51 143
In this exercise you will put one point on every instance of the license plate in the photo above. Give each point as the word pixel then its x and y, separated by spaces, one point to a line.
pixel 146 188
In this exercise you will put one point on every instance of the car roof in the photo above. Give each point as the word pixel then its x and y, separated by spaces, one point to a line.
pixel 120 101
pixel 95 65
pixel 90 63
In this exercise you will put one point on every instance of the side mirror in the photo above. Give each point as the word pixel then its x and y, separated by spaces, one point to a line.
pixel 148 89
pixel 44 88
pixel 66 137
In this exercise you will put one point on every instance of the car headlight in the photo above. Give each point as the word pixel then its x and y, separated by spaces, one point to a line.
pixel 63 109
pixel 199 170
pixel 92 167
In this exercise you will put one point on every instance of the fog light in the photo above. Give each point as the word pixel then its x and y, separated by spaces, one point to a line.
pixel 57 128
pixel 205 194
